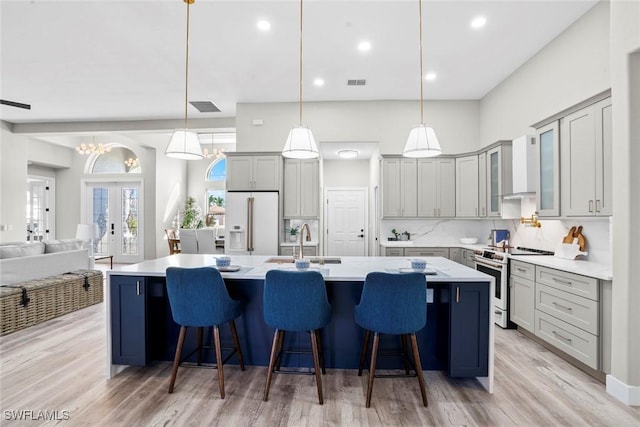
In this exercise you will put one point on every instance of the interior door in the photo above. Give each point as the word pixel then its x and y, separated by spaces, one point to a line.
pixel 116 207
pixel 40 208
pixel 346 225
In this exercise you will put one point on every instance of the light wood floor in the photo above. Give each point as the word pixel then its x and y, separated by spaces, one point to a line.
pixel 60 365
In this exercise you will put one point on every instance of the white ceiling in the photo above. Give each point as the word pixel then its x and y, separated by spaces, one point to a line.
pixel 124 60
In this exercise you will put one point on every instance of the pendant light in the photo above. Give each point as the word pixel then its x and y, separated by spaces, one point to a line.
pixel 422 141
pixel 184 143
pixel 300 142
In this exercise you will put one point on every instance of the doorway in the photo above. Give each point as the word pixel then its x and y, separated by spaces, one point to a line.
pixel 116 207
pixel 41 198
pixel 346 224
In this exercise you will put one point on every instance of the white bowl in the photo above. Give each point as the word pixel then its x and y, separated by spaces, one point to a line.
pixel 418 265
pixel 302 264
pixel 223 261
pixel 469 240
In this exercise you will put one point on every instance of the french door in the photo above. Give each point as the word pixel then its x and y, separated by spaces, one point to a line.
pixel 117 209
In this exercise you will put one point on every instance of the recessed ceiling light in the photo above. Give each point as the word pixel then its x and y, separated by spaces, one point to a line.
pixel 478 22
pixel 364 46
pixel 264 25
pixel 430 76
pixel 318 82
pixel 348 154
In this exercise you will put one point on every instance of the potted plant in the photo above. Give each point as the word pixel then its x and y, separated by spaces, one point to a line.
pixel 293 233
pixel 192 215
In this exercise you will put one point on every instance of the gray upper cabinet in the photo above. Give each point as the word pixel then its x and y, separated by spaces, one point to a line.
pixel 467 186
pixel 586 161
pixel 499 178
pixel 436 187
pixel 253 172
pixel 399 187
pixel 301 188
pixel 548 188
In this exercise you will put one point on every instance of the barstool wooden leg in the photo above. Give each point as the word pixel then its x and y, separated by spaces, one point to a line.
pixel 176 359
pixel 363 350
pixel 405 354
pixel 216 339
pixel 199 360
pixel 320 352
pixel 372 368
pixel 279 350
pixel 236 344
pixel 416 357
pixel 316 364
pixel 272 362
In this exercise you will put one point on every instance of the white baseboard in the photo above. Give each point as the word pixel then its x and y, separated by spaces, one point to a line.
pixel 627 394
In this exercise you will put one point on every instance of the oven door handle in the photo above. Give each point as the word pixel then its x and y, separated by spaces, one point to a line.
pixel 495 266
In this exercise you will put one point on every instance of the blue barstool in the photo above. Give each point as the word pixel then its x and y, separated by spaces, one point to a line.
pixel 392 304
pixel 199 298
pixel 295 301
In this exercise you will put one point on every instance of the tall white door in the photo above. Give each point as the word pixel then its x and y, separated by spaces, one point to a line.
pixel 346 222
pixel 116 207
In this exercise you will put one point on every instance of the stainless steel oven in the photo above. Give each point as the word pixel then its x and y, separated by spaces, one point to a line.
pixel 496 265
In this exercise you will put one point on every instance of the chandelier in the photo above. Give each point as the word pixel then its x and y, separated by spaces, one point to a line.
pixel 131 162
pixel 92 148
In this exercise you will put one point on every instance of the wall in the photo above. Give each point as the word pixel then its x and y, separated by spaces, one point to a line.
pixel 13 185
pixel 570 69
pixel 457 123
pixel 346 173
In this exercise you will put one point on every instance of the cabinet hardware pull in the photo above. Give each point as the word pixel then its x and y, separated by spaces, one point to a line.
pixel 590 205
pixel 560 336
pixel 564 282
pixel 137 287
pixel 497 312
pixel 562 306
pixel 598 206
pixel 521 269
pixel 457 294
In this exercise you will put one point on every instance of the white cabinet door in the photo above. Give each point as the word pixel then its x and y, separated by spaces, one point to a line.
pixel 482 184
pixel 291 188
pixel 239 173
pixel 604 163
pixel 446 187
pixel 522 301
pixel 309 188
pixel 409 188
pixel 548 185
pixel 467 186
pixel 427 188
pixel 247 173
pixel 499 177
pixel 391 206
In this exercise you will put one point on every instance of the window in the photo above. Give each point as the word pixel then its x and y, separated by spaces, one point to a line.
pixel 118 160
pixel 215 196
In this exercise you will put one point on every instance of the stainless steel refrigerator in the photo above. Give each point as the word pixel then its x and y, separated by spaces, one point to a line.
pixel 251 223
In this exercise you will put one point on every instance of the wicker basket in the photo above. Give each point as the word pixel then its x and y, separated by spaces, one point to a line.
pixel 29 303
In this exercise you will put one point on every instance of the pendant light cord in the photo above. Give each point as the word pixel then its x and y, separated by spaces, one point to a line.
pixel 186 67
pixel 421 78
pixel 300 66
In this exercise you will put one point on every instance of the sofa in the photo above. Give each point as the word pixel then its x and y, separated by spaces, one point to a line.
pixel 43 280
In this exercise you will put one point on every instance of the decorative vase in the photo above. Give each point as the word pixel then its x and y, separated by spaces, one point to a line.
pixel 292 237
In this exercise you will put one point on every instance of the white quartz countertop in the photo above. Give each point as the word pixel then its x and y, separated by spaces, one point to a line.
pixel 414 244
pixel 296 243
pixel 583 267
pixel 351 268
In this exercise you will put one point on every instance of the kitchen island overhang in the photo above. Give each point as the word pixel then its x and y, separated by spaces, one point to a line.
pixel 458 337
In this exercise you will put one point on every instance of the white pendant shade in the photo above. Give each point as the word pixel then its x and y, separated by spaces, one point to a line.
pixel 422 142
pixel 185 145
pixel 300 144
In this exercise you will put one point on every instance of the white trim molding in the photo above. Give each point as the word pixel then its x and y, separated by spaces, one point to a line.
pixel 627 394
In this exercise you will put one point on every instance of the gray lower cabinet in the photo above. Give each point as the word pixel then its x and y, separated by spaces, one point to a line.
pixel 455 254
pixel 417 252
pixel 469 258
pixel 393 251
pixel 522 295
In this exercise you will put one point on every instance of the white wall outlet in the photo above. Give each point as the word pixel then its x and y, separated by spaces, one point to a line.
pixel 257 122
pixel 429 296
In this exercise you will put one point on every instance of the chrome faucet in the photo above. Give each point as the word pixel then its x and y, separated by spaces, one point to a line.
pixel 305 225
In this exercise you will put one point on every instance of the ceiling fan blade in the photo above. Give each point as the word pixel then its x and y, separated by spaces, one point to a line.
pixel 15 104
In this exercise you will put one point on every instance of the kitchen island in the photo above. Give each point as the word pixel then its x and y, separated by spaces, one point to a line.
pixel 457 339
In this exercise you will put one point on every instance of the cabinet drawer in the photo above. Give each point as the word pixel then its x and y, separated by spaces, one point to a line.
pixel 443 252
pixel 575 310
pixel 573 341
pixel 522 269
pixel 573 283
pixel 394 251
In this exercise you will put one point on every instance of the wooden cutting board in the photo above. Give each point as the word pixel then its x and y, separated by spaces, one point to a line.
pixel 569 237
pixel 582 242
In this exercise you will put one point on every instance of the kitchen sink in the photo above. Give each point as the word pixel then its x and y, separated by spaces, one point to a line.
pixel 280 260
pixel 325 260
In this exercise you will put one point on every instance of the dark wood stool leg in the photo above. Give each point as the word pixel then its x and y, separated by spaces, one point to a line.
pixel 236 343
pixel 416 357
pixel 272 362
pixel 279 350
pixel 320 352
pixel 405 354
pixel 199 360
pixel 372 368
pixel 216 339
pixel 363 350
pixel 176 359
pixel 316 364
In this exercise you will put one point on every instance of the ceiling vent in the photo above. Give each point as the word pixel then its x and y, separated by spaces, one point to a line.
pixel 205 106
pixel 356 82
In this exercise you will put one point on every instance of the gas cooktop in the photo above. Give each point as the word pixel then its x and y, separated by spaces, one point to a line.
pixel 519 250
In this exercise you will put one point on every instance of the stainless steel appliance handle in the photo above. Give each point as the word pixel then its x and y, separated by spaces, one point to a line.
pixel 250 224
pixel 486 263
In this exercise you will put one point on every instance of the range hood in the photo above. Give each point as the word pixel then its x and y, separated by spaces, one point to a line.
pixel 523 168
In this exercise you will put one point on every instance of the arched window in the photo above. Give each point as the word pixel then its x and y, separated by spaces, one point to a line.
pixel 117 160
pixel 215 198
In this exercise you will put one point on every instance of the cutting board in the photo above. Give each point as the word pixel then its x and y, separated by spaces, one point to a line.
pixel 582 242
pixel 569 237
